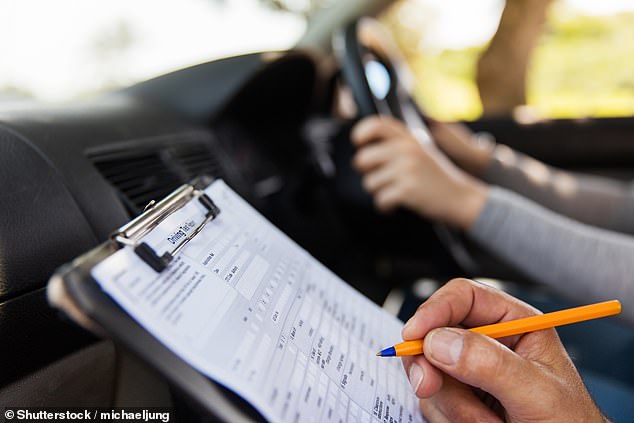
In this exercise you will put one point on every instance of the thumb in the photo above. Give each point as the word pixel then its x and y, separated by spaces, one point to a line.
pixel 483 363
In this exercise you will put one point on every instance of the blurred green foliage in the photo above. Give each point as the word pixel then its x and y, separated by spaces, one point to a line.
pixel 582 66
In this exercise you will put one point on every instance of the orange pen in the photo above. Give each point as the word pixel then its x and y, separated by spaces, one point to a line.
pixel 516 327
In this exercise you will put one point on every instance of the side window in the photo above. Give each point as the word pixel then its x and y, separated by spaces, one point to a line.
pixel 536 58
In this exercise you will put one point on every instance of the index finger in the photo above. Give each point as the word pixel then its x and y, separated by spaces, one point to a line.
pixel 376 128
pixel 466 303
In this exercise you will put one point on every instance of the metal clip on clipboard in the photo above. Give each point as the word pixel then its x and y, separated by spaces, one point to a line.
pixel 132 233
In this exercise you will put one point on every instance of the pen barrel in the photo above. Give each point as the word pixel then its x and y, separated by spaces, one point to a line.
pixel 409 348
pixel 528 324
pixel 550 320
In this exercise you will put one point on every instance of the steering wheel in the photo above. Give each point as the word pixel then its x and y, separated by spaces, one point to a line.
pixel 372 68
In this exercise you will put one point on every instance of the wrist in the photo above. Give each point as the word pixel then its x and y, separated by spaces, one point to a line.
pixel 469 202
pixel 482 154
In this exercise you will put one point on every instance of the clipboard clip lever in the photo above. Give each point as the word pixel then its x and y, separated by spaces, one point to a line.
pixel 132 233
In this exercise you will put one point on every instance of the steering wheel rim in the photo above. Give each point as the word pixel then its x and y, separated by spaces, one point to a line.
pixel 355 45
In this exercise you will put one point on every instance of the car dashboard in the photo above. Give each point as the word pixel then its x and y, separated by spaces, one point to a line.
pixel 72 174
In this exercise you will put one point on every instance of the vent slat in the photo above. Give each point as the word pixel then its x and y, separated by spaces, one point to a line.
pixel 120 177
pixel 130 164
pixel 151 195
pixel 150 173
pixel 197 160
pixel 152 186
pixel 194 170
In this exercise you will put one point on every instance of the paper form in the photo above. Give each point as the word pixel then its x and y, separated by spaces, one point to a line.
pixel 246 306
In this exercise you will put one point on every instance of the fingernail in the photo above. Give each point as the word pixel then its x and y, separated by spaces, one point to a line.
pixel 408 324
pixel 444 345
pixel 416 376
pixel 358 130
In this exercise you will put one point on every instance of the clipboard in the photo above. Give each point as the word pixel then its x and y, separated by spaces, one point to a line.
pixel 74 291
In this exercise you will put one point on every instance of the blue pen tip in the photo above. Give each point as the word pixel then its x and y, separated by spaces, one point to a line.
pixel 388 352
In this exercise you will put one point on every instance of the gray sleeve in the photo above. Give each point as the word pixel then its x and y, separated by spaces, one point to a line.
pixel 581 261
pixel 593 200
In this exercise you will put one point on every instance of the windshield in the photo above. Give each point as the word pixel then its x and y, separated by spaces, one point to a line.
pixel 66 49
pixel 578 65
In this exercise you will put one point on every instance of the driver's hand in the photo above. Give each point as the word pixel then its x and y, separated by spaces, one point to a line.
pixel 463 147
pixel 400 172
pixel 467 377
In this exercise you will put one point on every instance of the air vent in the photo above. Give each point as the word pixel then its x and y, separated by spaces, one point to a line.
pixel 144 171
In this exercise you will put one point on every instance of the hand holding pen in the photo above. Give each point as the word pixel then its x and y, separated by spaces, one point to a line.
pixel 466 376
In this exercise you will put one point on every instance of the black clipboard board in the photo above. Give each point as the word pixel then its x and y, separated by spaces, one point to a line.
pixel 74 291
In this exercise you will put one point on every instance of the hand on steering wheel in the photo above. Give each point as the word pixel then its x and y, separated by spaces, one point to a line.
pixel 371 68
pixel 399 171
